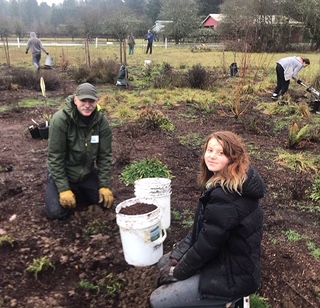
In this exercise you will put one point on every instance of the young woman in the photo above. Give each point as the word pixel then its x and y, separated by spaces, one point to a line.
pixel 286 69
pixel 220 258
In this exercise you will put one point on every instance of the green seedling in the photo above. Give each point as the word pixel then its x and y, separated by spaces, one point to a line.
pixel 6 239
pixel 40 264
pixel 315 194
pixel 175 215
pixel 110 286
pixel 293 236
pixel 257 301
pixel 113 285
pixel 193 140
pixel 186 217
pixel 315 252
pixel 93 228
pixel 85 284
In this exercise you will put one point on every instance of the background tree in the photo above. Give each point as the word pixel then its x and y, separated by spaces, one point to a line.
pixel 153 8
pixel 308 13
pixel 91 24
pixel 137 6
pixel 57 17
pixel 238 18
pixel 184 14
pixel 30 12
pixel 263 25
pixel 18 28
pixel 253 24
pixel 207 7
pixel 121 21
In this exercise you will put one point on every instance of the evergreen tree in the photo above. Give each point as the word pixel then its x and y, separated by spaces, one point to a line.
pixel 138 6
pixel 153 8
pixel 207 7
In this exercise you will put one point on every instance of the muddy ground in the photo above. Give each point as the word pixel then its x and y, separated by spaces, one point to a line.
pixel 88 267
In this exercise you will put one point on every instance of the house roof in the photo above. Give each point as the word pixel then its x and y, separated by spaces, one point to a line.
pixel 212 20
pixel 160 24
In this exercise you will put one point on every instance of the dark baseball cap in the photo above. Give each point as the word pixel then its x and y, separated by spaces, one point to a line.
pixel 86 90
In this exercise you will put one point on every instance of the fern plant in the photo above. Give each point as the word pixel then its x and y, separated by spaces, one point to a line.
pixel 296 134
pixel 299 162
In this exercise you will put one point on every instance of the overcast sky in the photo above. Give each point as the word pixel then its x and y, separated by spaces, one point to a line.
pixel 50 2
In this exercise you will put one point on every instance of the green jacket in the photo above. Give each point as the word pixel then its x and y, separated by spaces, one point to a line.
pixel 74 148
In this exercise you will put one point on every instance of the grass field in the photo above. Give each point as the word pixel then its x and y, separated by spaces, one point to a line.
pixel 178 56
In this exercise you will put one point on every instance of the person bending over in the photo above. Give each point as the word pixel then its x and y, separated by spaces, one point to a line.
pixel 286 69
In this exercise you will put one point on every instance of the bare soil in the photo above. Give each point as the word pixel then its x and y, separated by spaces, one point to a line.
pixel 138 209
pixel 87 246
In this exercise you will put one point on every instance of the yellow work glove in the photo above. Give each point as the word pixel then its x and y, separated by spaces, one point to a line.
pixel 106 196
pixel 67 198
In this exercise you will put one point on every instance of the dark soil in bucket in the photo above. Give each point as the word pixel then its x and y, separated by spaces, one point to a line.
pixel 138 209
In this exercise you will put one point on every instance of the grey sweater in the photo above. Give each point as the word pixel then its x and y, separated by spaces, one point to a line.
pixel 291 67
pixel 35 44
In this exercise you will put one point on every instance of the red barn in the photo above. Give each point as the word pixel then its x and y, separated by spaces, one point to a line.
pixel 211 21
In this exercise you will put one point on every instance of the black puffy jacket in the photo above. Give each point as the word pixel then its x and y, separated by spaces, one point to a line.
pixel 225 243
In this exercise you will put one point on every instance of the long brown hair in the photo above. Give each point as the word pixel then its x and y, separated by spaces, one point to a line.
pixel 234 174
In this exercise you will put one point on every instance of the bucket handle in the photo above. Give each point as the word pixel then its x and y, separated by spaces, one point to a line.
pixel 161 239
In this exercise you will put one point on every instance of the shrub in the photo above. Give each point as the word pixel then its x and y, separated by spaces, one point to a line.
pixel 146 168
pixel 154 119
pixel 105 71
pixel 82 74
pixel 29 79
pixel 101 71
pixel 196 77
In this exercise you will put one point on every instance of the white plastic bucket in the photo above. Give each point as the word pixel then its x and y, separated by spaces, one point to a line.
pixel 141 235
pixel 160 190
pixel 48 62
pixel 147 63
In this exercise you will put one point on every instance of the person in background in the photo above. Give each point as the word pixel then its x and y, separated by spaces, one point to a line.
pixel 131 43
pixel 36 46
pixel 150 41
pixel 220 258
pixel 79 155
pixel 286 69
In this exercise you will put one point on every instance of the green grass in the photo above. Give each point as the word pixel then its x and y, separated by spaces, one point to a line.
pixel 176 56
